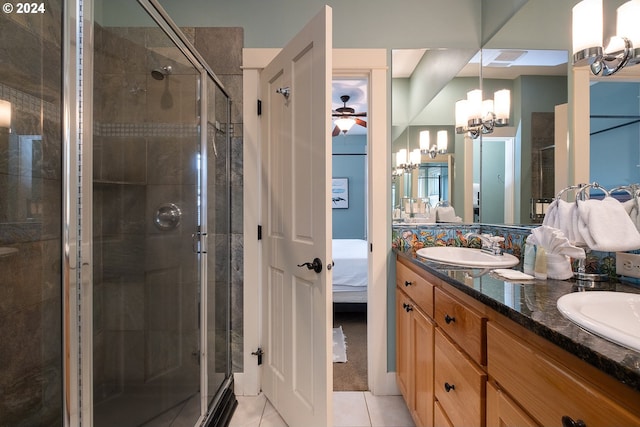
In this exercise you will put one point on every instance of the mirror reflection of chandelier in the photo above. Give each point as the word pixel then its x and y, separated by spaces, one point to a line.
pixel 477 116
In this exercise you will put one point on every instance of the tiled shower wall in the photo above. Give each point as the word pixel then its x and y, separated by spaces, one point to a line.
pixel 30 217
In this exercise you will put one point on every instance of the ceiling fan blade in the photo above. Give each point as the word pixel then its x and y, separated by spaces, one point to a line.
pixel 336 131
pixel 361 123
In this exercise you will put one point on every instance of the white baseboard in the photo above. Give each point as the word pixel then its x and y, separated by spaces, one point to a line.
pixel 388 386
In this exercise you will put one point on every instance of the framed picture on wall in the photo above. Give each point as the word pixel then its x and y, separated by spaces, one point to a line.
pixel 340 193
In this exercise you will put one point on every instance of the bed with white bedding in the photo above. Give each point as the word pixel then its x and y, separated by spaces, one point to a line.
pixel 350 270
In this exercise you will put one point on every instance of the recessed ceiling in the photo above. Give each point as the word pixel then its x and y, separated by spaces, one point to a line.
pixel 497 63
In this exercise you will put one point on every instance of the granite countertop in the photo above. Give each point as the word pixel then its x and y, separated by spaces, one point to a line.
pixel 533 305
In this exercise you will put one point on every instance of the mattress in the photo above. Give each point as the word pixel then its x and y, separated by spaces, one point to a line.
pixel 350 257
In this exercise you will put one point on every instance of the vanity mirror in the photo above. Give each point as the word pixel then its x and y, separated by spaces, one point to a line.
pixel 614 117
pixel 426 84
pixel 493 178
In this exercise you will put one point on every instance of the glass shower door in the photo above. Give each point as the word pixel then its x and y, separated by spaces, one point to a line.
pixel 146 293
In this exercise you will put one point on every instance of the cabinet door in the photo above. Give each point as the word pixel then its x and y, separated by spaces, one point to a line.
pixel 548 390
pixel 459 384
pixel 503 412
pixel 439 417
pixel 422 332
pixel 403 345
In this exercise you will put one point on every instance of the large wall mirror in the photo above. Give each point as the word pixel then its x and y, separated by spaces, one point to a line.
pixel 425 86
pixel 498 177
pixel 614 120
pixel 503 170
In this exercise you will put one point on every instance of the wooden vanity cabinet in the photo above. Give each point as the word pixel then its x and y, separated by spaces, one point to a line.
pixel 504 412
pixel 425 352
pixel 459 363
pixel 550 388
pixel 414 348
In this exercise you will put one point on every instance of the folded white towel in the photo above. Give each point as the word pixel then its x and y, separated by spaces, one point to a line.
pixel 559 267
pixel 551 217
pixel 447 214
pixel 558 249
pixel 631 207
pixel 555 242
pixel 513 275
pixel 605 225
pixel 562 215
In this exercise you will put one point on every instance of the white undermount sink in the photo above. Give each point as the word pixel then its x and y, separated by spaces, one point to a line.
pixel 467 257
pixel 614 316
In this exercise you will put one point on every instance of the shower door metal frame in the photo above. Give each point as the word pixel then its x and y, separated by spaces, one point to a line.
pixel 77 261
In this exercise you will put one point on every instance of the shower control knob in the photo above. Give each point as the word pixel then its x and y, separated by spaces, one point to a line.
pixel 167 217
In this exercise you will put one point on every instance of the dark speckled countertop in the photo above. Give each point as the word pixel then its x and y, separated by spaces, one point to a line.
pixel 533 305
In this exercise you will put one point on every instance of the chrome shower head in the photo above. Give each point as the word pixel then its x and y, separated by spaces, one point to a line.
pixel 160 73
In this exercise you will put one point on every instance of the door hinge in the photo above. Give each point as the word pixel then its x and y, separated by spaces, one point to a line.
pixel 259 107
pixel 259 232
pixel 259 354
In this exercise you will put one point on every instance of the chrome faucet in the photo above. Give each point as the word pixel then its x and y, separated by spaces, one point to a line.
pixel 490 244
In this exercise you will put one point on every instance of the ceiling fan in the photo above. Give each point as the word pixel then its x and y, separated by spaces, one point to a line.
pixel 348 114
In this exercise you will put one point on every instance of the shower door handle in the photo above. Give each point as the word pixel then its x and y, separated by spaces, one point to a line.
pixel 199 242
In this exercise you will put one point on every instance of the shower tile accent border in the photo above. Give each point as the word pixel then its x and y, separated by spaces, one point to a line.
pixel 29 104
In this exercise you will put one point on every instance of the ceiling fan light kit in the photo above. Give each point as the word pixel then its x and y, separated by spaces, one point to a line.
pixel 346 117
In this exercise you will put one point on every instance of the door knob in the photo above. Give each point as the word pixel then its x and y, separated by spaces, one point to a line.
pixel 315 265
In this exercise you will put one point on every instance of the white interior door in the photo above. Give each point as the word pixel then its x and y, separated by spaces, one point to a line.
pixel 296 173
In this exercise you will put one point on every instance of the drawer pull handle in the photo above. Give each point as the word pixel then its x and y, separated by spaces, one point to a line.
pixel 449 319
pixel 448 387
pixel 408 283
pixel 567 421
pixel 407 307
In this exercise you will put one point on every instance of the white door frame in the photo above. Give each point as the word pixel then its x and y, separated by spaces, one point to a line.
pixel 371 63
pixel 509 175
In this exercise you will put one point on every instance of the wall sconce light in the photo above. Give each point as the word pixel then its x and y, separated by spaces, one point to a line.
pixel 477 117
pixel 623 48
pixel 440 147
pixel 414 160
pixel 5 114
pixel 345 124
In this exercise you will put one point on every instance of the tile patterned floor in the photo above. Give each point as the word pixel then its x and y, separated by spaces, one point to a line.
pixel 350 408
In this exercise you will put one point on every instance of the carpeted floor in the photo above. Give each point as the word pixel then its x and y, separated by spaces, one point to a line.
pixel 352 375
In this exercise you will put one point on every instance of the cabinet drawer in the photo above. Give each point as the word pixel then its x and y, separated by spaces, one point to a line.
pixel 546 390
pixel 439 417
pixel 416 287
pixel 503 412
pixel 464 326
pixel 459 384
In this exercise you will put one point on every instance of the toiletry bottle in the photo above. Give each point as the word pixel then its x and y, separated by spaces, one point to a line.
pixel 529 258
pixel 541 264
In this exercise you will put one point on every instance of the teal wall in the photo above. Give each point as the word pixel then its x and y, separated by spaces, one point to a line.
pixel 615 141
pixel 356 23
pixel 350 161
